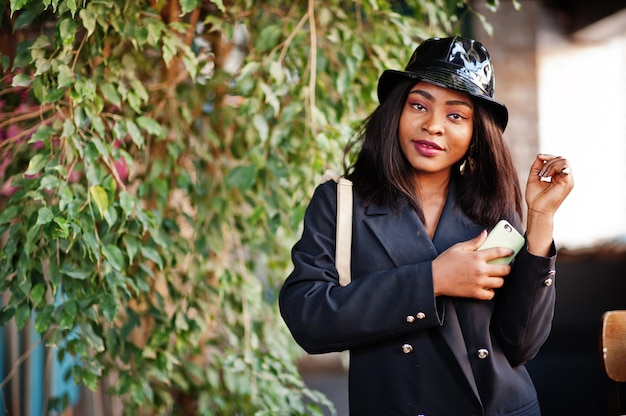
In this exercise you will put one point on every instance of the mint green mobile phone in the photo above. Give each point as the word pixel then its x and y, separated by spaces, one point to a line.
pixel 504 235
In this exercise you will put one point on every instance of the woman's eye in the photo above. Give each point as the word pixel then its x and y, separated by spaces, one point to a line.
pixel 418 106
pixel 456 116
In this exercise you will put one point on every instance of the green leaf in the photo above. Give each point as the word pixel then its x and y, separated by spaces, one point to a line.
pixel 74 273
pixel 21 80
pixel 22 314
pixel 98 125
pixel 35 165
pixel 100 198
pixel 127 202
pixel 169 49
pixel 150 125
pixel 43 133
pixel 87 333
pixel 242 177
pixel 132 246
pixel 135 133
pixel 68 128
pixel 37 293
pixel 5 62
pixel 277 71
pixel 188 5
pixel 42 66
pixel 71 4
pixel 6 313
pixel 119 130
pixel 110 93
pixel 268 37
pixel 114 256
pixel 67 30
pixel 191 63
pixel 68 315
pixel 90 381
pixel 152 254
pixel 9 213
pixel 103 150
pixel 44 216
pixel 49 182
pixel 54 274
pixel 110 216
pixel 88 19
pixel 33 234
pixel 54 95
pixel 61 229
pixel 181 322
pixel 109 306
pixel 43 320
pixel 260 123
pixel 139 89
pixel 271 97
pixel 26 17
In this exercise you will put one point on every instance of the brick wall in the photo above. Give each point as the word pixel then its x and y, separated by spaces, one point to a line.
pixel 513 49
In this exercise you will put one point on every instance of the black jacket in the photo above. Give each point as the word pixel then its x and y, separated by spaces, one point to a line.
pixel 412 353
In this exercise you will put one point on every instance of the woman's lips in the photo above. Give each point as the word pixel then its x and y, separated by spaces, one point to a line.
pixel 426 148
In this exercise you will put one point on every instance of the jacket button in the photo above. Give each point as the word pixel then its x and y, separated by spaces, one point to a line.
pixel 420 315
pixel 410 319
pixel 548 282
pixel 407 348
pixel 483 353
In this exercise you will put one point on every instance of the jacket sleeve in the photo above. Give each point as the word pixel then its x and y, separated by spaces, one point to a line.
pixel 324 316
pixel 525 306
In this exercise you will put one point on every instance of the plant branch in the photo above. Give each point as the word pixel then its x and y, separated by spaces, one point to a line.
pixel 246 318
pixel 80 47
pixel 292 35
pixel 35 113
pixel 313 66
pixel 359 25
pixel 17 363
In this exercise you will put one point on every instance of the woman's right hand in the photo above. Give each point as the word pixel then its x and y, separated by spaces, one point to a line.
pixel 462 271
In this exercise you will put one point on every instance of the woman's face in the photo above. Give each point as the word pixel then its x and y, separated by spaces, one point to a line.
pixel 435 128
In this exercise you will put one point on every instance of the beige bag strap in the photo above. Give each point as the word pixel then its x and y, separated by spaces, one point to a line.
pixel 343 233
pixel 343 240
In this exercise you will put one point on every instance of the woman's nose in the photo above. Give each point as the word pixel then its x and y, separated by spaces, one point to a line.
pixel 433 126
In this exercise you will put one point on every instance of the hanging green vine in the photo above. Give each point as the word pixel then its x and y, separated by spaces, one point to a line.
pixel 155 162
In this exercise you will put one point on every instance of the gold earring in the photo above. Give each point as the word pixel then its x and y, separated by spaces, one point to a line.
pixel 467 166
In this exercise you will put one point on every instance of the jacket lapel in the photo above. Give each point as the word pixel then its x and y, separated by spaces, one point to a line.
pixel 401 233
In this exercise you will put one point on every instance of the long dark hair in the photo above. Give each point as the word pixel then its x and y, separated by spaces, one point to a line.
pixel 382 175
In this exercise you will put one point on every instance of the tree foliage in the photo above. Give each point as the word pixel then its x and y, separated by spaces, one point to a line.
pixel 155 162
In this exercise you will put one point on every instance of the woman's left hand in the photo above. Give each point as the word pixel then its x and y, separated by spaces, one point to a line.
pixel 549 182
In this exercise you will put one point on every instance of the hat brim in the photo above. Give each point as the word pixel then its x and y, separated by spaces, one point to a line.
pixel 442 78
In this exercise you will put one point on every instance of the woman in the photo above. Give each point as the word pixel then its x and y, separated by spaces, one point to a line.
pixel 432 328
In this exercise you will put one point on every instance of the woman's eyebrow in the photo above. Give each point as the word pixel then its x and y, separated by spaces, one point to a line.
pixel 424 94
pixel 430 97
pixel 459 102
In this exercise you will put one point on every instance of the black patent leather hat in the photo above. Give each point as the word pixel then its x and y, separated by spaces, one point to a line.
pixel 457 63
